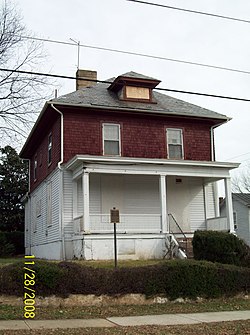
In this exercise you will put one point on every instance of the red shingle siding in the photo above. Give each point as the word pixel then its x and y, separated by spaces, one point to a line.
pixel 142 136
pixel 41 150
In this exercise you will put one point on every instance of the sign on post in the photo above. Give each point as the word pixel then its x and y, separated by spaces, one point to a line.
pixel 114 215
pixel 115 218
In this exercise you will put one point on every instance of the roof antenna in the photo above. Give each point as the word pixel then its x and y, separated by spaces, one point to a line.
pixel 78 51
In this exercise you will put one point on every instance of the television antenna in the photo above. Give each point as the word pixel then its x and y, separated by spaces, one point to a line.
pixel 78 51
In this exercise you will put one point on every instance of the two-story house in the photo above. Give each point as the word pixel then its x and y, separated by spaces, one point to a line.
pixel 122 144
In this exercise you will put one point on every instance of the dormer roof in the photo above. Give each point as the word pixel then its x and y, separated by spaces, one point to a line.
pixel 133 79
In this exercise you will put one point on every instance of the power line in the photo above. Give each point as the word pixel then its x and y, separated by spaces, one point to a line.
pixel 247 153
pixel 110 82
pixel 191 11
pixel 140 54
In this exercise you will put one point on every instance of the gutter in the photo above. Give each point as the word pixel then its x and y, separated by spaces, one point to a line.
pixel 154 111
pixel 61 185
pixel 212 137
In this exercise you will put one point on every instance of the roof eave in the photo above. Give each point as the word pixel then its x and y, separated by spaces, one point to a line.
pixel 224 119
pixel 22 152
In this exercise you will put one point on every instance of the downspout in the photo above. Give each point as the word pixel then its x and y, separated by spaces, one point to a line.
pixel 61 184
pixel 215 185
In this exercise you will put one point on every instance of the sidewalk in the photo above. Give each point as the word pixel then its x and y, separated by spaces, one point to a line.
pixel 162 320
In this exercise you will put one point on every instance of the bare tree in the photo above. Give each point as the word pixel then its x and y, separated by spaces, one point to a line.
pixel 20 94
pixel 241 182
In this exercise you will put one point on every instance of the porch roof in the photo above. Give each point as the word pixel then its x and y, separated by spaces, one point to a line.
pixel 148 166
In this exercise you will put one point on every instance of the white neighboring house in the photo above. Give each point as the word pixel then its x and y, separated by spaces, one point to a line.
pixel 241 213
pixel 121 144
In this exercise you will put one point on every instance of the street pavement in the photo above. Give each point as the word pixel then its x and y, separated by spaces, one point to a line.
pixel 164 319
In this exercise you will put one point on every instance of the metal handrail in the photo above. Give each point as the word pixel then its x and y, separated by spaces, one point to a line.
pixel 181 231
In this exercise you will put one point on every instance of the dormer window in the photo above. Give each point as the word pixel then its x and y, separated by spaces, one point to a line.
pixel 134 87
pixel 138 93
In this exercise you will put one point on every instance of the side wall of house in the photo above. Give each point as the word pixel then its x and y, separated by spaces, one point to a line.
pixel 68 213
pixel 43 219
pixel 142 136
pixel 44 168
pixel 242 221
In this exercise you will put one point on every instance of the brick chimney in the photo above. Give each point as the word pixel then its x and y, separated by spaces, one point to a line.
pixel 88 74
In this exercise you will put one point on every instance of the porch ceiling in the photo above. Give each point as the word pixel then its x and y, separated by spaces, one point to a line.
pixel 212 171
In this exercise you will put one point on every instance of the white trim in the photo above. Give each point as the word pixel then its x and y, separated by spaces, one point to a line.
pixel 85 192
pixel 127 160
pixel 229 204
pixel 163 200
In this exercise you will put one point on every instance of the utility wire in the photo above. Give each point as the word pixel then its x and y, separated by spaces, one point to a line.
pixel 141 55
pixel 110 82
pixel 191 11
pixel 247 153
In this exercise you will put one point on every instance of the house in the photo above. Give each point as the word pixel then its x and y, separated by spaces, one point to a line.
pixel 241 215
pixel 121 144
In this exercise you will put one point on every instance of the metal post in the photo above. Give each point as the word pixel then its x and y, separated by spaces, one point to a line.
pixel 115 218
pixel 115 245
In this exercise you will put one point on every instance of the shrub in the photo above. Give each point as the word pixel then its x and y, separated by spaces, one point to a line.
pixel 220 247
pixel 6 248
pixel 173 279
pixel 17 239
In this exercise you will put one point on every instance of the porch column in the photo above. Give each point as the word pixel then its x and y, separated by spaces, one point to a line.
pixel 85 191
pixel 229 204
pixel 163 199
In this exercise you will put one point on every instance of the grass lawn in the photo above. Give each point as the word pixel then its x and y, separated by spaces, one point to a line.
pixel 88 312
pixel 9 260
pixel 95 264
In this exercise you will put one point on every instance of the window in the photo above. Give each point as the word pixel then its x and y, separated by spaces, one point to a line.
pixel 34 216
pixel 111 139
pixel 175 143
pixel 50 149
pixel 49 204
pixel 140 93
pixel 235 220
pixel 38 208
pixel 35 168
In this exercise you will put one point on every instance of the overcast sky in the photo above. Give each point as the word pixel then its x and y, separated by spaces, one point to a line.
pixel 123 25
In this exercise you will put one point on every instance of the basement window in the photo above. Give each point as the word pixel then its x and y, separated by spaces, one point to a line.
pixel 111 139
pixel 175 143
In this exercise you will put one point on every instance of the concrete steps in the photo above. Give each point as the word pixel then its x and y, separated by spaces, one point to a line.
pixel 186 245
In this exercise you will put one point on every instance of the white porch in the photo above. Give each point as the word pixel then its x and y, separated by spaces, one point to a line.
pixel 145 191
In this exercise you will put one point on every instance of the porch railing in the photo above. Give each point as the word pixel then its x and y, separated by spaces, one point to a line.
pixel 129 223
pixel 177 232
pixel 218 223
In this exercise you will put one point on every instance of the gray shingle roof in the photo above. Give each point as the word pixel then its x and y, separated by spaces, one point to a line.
pixel 243 197
pixel 100 96
pixel 133 74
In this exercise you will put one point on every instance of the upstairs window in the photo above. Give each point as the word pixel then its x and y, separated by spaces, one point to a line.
pixel 35 168
pixel 111 139
pixel 175 143
pixel 49 149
